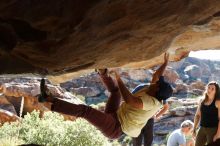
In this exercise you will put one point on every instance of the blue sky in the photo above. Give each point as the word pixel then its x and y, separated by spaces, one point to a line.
pixel 206 54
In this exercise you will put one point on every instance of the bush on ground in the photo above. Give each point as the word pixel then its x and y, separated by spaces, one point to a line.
pixel 51 130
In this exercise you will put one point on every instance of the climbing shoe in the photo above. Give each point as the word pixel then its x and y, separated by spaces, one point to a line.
pixel 43 95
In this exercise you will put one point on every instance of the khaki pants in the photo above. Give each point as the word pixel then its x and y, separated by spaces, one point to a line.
pixel 205 136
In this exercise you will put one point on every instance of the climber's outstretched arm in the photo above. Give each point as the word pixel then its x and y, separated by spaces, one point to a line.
pixel 159 72
pixel 128 97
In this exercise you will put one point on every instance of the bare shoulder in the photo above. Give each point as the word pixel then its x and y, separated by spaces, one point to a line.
pixel 217 104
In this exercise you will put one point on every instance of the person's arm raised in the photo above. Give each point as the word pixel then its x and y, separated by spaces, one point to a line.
pixel 159 72
pixel 126 94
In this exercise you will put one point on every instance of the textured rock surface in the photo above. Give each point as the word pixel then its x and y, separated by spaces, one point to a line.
pixel 61 35
pixel 13 91
pixel 6 105
pixel 171 75
pixel 6 116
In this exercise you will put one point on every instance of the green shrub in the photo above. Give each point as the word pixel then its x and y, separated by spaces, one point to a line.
pixel 192 96
pixel 52 130
pixel 127 140
pixel 13 141
pixel 81 97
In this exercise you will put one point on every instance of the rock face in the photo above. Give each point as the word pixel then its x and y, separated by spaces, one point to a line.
pixel 62 36
pixel 5 104
pixel 6 116
pixel 171 75
pixel 196 72
pixel 20 96
pixel 180 110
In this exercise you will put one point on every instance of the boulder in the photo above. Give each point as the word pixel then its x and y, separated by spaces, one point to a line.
pixel 193 71
pixel 195 92
pixel 181 89
pixel 6 116
pixel 139 74
pixel 6 105
pixel 20 89
pixel 86 91
pixel 178 111
pixel 171 75
pixel 197 85
pixel 61 36
pixel 16 102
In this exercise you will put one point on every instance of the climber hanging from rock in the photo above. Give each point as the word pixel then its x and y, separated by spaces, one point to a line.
pixel 128 117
